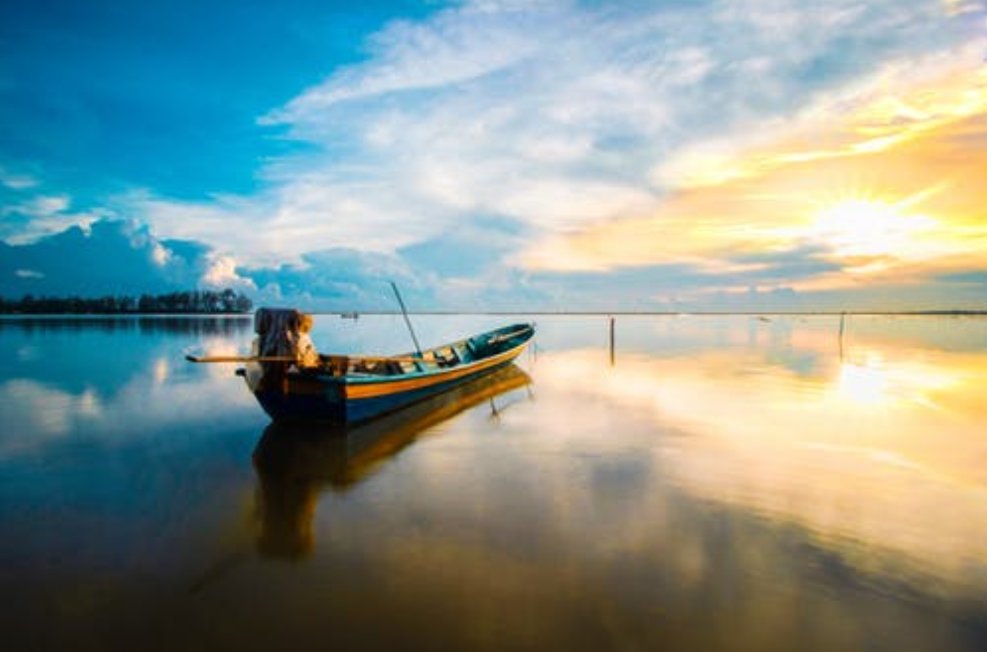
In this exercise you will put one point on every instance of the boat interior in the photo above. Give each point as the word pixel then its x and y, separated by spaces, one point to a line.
pixel 458 353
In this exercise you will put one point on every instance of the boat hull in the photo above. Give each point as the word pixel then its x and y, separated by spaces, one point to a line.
pixel 327 402
pixel 287 394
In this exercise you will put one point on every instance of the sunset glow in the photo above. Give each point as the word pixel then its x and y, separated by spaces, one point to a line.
pixel 508 153
pixel 881 183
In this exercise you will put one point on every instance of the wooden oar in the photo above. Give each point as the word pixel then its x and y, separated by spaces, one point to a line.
pixel 238 358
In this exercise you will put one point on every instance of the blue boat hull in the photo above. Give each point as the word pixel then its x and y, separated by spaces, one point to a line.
pixel 326 401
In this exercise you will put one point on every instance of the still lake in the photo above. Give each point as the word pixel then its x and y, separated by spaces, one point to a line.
pixel 719 482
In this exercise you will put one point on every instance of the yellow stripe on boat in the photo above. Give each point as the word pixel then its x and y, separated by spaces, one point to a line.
pixel 382 387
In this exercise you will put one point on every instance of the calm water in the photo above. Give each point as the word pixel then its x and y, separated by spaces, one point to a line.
pixel 735 483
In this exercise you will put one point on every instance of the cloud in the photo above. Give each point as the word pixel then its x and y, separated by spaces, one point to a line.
pixel 41 215
pixel 879 180
pixel 411 56
pixel 786 267
pixel 15 181
pixel 900 101
pixel 468 252
pixel 125 257
pixel 111 257
pixel 222 273
pixel 665 136
pixel 339 279
pixel 958 7
pixel 551 114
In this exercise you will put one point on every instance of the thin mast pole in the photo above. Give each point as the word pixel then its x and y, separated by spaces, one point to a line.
pixel 404 311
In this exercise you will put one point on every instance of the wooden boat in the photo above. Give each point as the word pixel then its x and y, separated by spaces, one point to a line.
pixel 350 389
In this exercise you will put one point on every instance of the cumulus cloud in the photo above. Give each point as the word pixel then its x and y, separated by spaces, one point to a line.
pixel 112 256
pixel 222 273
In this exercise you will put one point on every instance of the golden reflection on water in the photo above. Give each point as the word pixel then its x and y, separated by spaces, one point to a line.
pixel 880 456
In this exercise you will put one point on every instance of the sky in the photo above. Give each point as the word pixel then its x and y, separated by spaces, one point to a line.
pixel 499 154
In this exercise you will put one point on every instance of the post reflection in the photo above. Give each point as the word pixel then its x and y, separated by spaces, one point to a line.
pixel 295 462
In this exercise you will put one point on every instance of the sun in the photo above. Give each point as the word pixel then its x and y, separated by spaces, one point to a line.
pixel 868 228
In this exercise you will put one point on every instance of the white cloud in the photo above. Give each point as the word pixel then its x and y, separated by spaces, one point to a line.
pixel 42 205
pixel 16 181
pixel 551 114
pixel 222 274
pixel 160 255
pixel 45 215
pixel 874 112
pixel 957 7
pixel 410 56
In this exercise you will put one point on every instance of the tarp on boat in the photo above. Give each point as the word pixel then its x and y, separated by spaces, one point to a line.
pixel 277 331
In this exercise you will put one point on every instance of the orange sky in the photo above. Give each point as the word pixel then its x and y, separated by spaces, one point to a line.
pixel 888 181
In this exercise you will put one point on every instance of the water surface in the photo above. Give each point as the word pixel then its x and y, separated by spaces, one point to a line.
pixel 714 482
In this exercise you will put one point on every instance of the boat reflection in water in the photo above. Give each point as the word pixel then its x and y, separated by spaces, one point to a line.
pixel 295 461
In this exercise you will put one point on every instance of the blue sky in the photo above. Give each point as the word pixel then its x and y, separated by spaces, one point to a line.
pixel 499 153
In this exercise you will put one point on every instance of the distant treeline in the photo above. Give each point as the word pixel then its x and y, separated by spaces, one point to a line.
pixel 191 302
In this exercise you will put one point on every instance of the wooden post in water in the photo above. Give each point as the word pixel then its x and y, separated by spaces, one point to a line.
pixel 842 325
